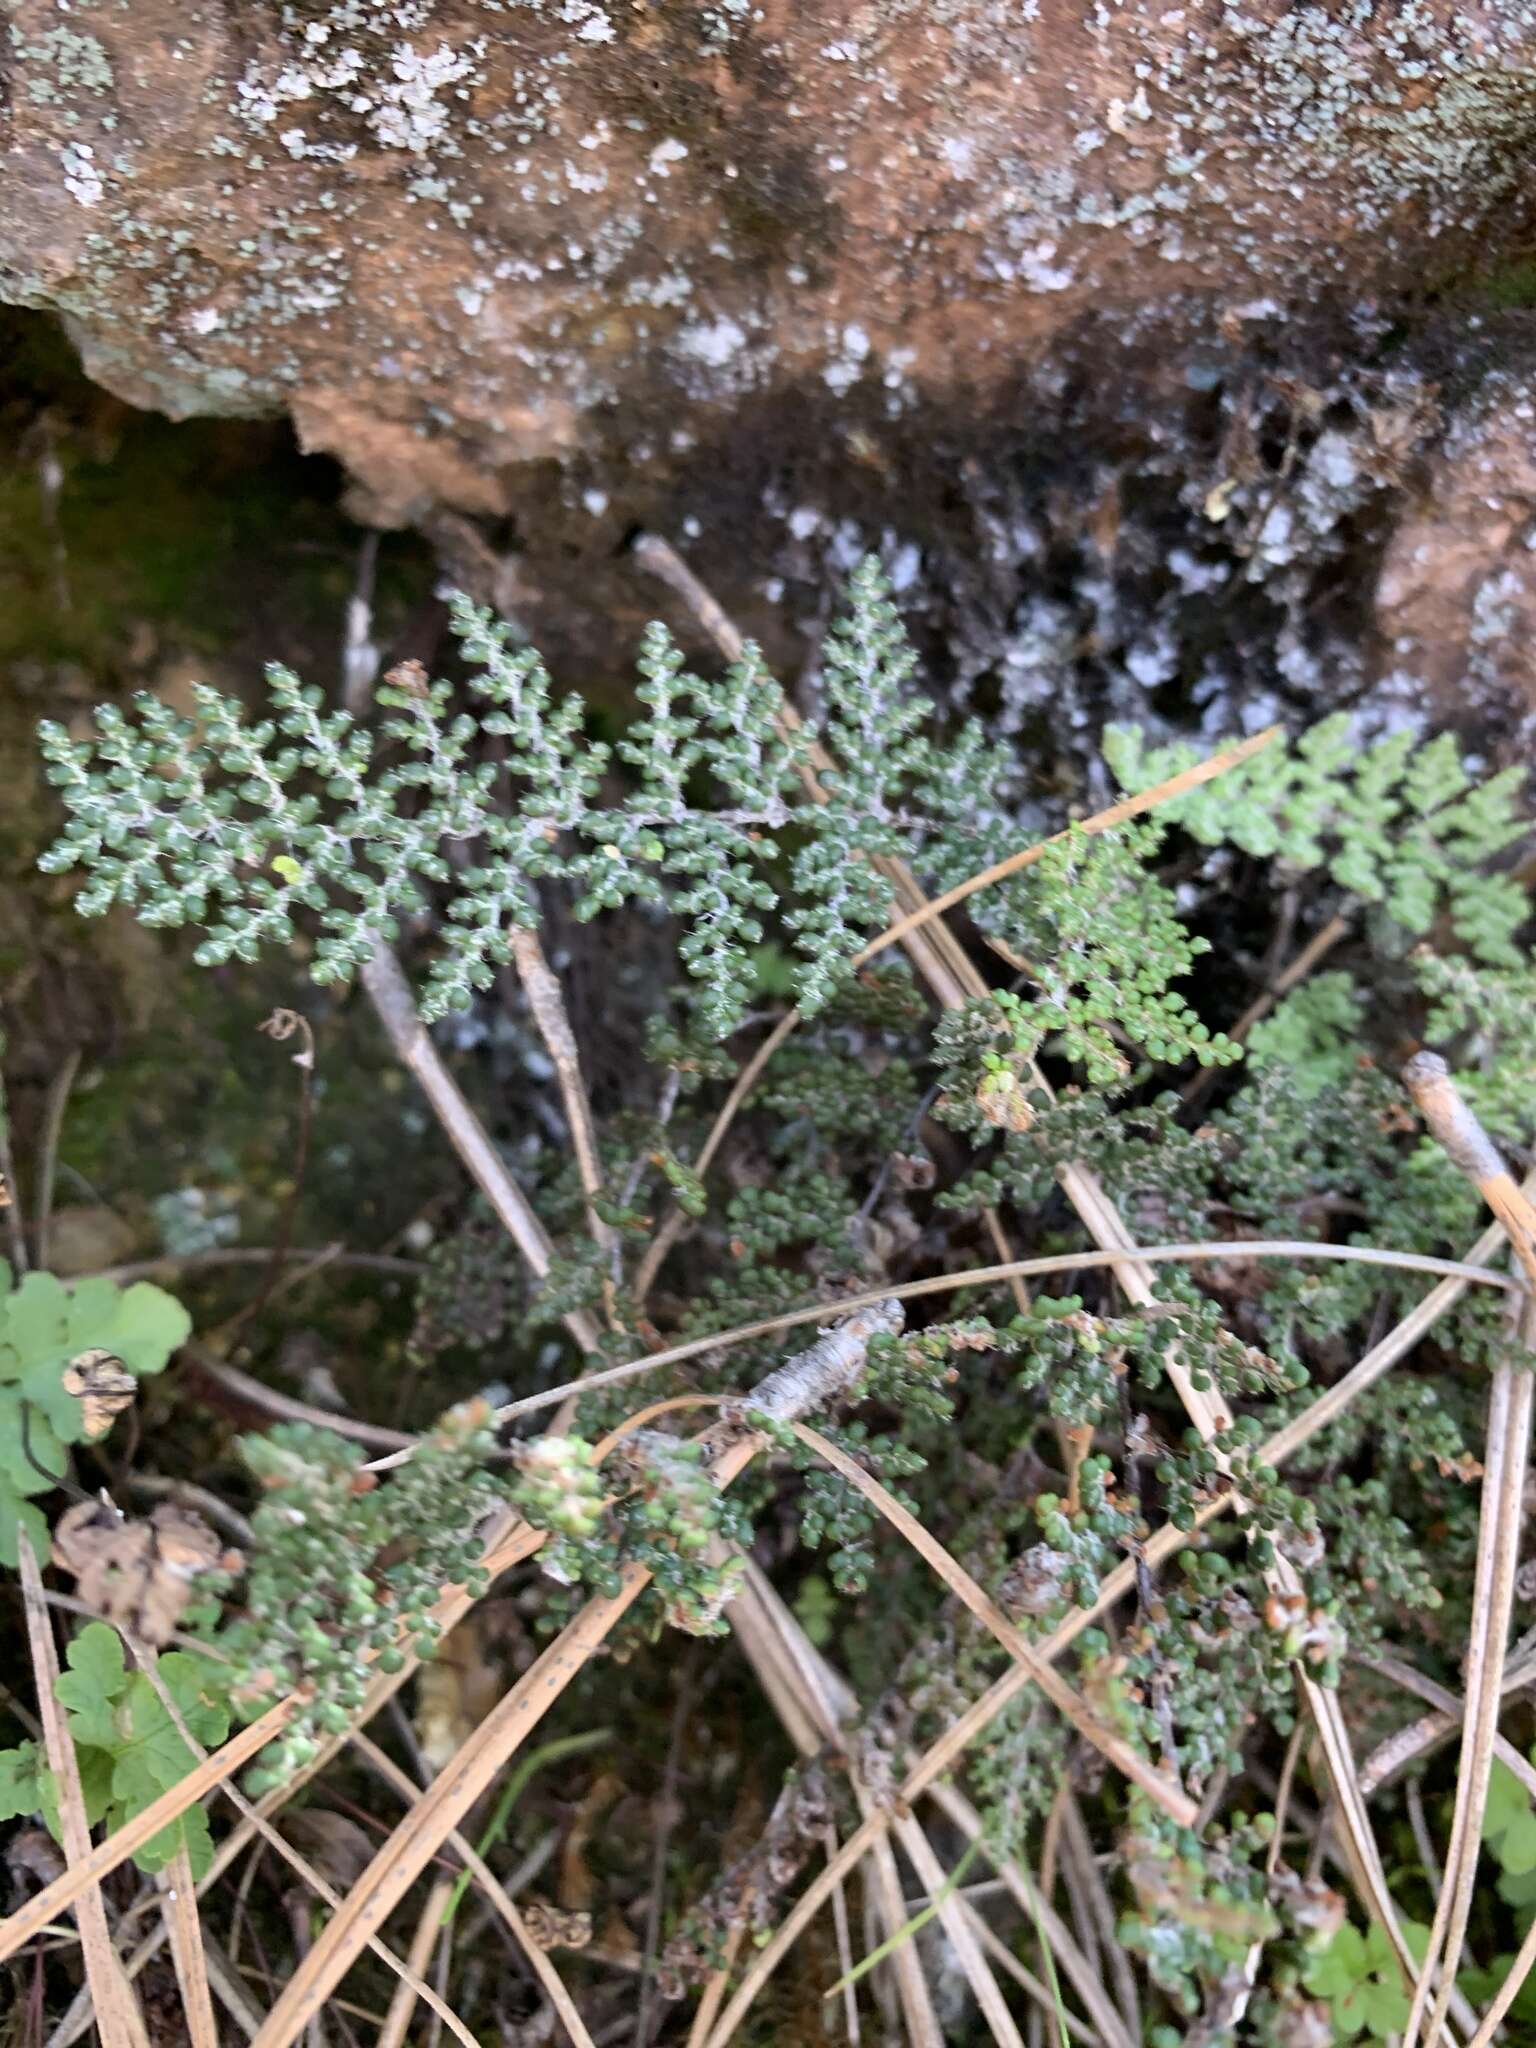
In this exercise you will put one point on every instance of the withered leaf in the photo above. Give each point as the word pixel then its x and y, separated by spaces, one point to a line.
pixel 549 1927
pixel 140 1575
pixel 103 1386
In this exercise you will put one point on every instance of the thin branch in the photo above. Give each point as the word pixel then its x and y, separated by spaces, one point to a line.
pixel 48 1148
pixel 118 2018
pixel 429 1924
pixel 1508 1991
pixel 10 1192
pixel 1079 1857
pixel 957 1924
pixel 546 1001
pixel 390 994
pixel 675 1221
pixel 1469 1147
pixel 286 1408
pixel 983 1276
pixel 812 1702
pixel 1077 1968
pixel 1457 1130
pixel 256 1255
pixel 1450 1714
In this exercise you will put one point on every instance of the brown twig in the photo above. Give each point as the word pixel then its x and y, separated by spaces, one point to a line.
pixel 1457 1130
pixel 48 1148
pixel 10 1192
pixel 271 1402
pixel 982 1276
pixel 118 2019
pixel 390 994
pixel 1450 1714
pixel 546 1001
pixel 258 1255
pixel 1468 1146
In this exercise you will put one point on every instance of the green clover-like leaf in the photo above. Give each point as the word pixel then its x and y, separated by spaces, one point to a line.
pixel 21 1772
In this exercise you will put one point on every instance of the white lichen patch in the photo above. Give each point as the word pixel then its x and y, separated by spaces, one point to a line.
pixel 82 179
pixel 60 63
pixel 410 114
pixel 356 63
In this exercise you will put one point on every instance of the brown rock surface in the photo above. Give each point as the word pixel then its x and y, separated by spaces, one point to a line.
pixel 572 264
pixel 1457 593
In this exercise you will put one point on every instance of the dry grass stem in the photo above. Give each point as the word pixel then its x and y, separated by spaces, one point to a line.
pixel 178 1895
pixel 984 1276
pixel 402 2007
pixel 1427 1733
pixel 1174 1801
pixel 1505 1457
pixel 390 993
pixel 118 2019
pixel 546 1000
pixel 956 1919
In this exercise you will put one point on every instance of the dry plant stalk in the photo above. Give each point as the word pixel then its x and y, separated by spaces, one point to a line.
pixel 546 1000
pixel 1457 1130
pixel 1128 1761
pixel 947 1750
pixel 178 1893
pixel 829 1365
pixel 391 996
pixel 118 2018
pixel 1450 1714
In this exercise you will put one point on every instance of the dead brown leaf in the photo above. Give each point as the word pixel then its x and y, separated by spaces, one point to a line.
pixel 455 1691
pixel 550 1928
pixel 141 1575
pixel 103 1386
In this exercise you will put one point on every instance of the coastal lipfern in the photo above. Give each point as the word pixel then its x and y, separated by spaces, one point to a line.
pixel 245 827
